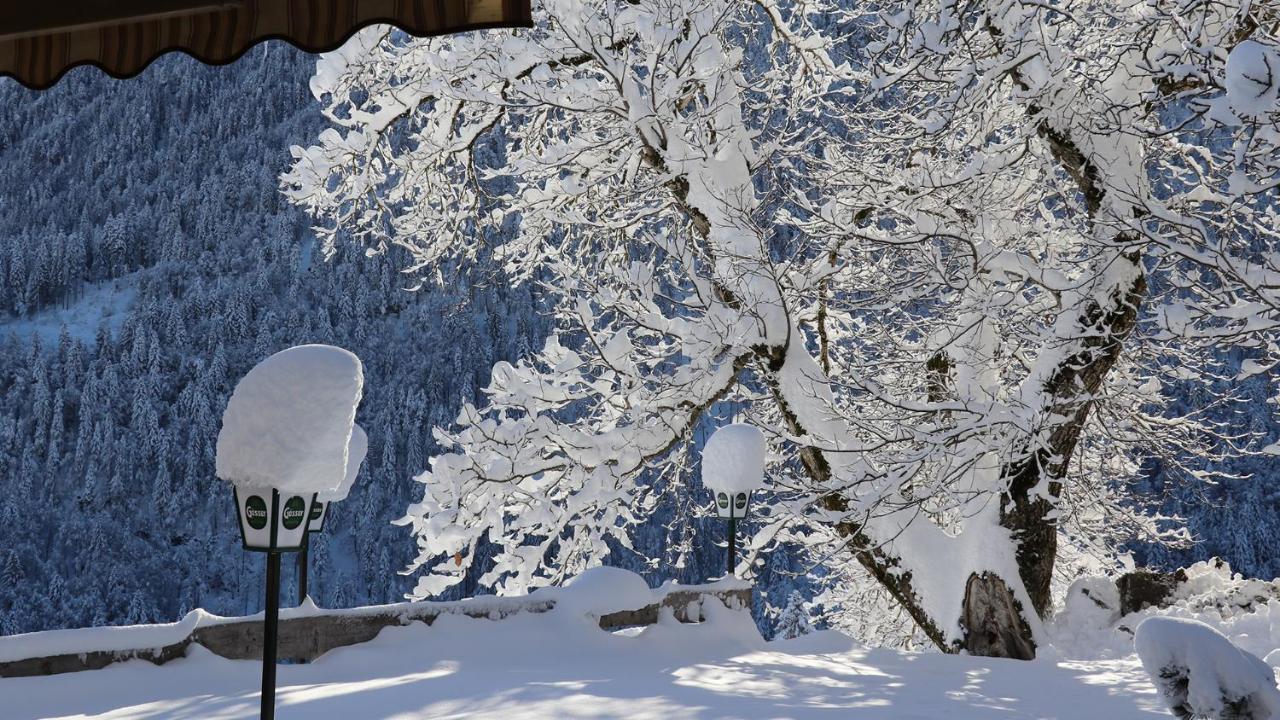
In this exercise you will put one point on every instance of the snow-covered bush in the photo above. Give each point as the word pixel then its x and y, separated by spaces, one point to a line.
pixel 1085 622
pixel 1089 622
pixel 1212 585
pixel 793 621
pixel 1200 674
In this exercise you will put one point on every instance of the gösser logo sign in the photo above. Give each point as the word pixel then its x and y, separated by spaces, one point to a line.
pixel 255 510
pixel 294 511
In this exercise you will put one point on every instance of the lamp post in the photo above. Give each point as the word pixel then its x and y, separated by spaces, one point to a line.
pixel 272 523
pixel 284 440
pixel 732 467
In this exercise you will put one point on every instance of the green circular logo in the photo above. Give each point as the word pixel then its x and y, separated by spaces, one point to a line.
pixel 255 511
pixel 317 507
pixel 722 500
pixel 294 511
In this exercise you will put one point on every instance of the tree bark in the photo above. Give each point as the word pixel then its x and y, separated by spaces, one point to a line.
pixel 1035 477
pixel 993 623
pixel 1035 480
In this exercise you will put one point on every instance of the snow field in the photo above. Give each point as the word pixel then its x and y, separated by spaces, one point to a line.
pixel 558 666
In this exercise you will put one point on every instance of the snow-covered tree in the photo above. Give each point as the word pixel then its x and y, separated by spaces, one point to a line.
pixel 922 247
pixel 793 620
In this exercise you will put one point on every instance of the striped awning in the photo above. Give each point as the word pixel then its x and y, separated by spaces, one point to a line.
pixel 41 39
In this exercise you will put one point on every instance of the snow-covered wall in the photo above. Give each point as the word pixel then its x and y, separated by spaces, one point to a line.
pixel 306 632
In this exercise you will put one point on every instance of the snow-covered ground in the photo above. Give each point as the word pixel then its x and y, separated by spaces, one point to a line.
pixel 556 666
pixel 105 302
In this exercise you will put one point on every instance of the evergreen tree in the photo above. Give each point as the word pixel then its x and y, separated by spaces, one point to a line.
pixel 139 611
pixel 793 621
pixel 11 573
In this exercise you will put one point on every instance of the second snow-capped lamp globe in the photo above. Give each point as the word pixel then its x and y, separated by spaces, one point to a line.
pixel 356 450
pixel 733 467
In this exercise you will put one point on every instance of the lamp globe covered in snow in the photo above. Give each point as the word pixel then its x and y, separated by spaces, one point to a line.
pixel 271 521
pixel 285 439
pixel 357 448
pixel 732 467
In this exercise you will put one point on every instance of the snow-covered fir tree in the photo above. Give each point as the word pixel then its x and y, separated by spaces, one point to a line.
pixel 148 262
pixel 793 621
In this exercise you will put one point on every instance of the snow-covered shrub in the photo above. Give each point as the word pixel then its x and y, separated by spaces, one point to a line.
pixel 1090 622
pixel 1211 585
pixel 793 621
pixel 1200 674
pixel 1089 610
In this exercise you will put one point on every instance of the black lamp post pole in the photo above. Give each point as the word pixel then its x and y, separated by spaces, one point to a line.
pixel 733 546
pixel 303 562
pixel 270 631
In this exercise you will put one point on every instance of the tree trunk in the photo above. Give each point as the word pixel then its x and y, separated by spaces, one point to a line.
pixel 1035 480
pixel 993 622
pixel 992 617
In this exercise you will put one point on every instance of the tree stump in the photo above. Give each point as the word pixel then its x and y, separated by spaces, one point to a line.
pixel 993 623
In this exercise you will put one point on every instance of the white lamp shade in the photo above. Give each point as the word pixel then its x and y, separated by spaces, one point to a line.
pixel 733 459
pixel 270 520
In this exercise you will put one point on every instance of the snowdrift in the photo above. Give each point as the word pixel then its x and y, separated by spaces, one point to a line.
pixel 554 666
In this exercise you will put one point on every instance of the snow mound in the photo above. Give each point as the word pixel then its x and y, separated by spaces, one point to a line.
pixel 1253 79
pixel 1200 673
pixel 1245 610
pixel 1085 625
pixel 289 421
pixel 733 459
pixel 356 450
pixel 603 590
